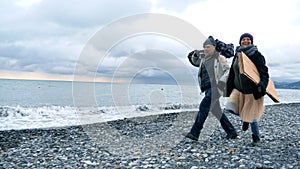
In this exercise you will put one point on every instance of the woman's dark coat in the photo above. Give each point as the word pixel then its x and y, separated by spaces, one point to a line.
pixel 258 90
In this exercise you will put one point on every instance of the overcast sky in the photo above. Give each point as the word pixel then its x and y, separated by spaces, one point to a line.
pixel 45 38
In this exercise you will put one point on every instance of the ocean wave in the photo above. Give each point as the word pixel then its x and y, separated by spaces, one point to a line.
pixel 26 117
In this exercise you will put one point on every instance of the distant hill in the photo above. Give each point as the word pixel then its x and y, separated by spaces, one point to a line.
pixel 286 85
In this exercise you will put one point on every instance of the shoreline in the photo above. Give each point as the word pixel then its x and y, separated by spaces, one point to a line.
pixel 156 141
pixel 142 114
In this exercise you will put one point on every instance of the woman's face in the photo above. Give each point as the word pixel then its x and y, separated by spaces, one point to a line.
pixel 209 50
pixel 245 42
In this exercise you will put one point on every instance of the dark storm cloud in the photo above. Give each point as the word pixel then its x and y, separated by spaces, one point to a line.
pixel 48 36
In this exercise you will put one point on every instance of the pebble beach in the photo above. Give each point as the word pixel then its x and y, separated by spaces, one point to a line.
pixel 157 142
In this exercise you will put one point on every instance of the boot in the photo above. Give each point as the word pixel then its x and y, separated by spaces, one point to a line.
pixel 232 136
pixel 190 136
pixel 228 127
pixel 256 140
pixel 245 126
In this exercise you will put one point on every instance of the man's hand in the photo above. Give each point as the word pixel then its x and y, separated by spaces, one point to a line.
pixel 198 53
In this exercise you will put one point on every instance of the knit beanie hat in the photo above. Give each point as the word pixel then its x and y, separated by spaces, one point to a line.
pixel 209 41
pixel 246 35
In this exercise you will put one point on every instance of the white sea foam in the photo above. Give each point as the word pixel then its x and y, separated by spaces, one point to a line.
pixel 47 107
pixel 59 116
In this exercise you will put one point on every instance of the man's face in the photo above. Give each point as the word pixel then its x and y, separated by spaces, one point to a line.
pixel 245 42
pixel 209 50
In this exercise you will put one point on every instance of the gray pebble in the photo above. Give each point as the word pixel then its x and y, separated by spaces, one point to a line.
pixel 156 142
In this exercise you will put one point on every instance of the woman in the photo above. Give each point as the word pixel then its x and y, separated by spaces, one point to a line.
pixel 246 98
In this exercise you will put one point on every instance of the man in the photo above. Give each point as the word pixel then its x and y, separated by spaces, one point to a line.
pixel 212 76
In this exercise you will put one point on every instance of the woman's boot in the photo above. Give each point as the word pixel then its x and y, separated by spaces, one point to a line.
pixel 256 140
pixel 245 126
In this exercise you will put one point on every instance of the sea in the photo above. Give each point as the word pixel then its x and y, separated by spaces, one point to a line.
pixel 29 104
